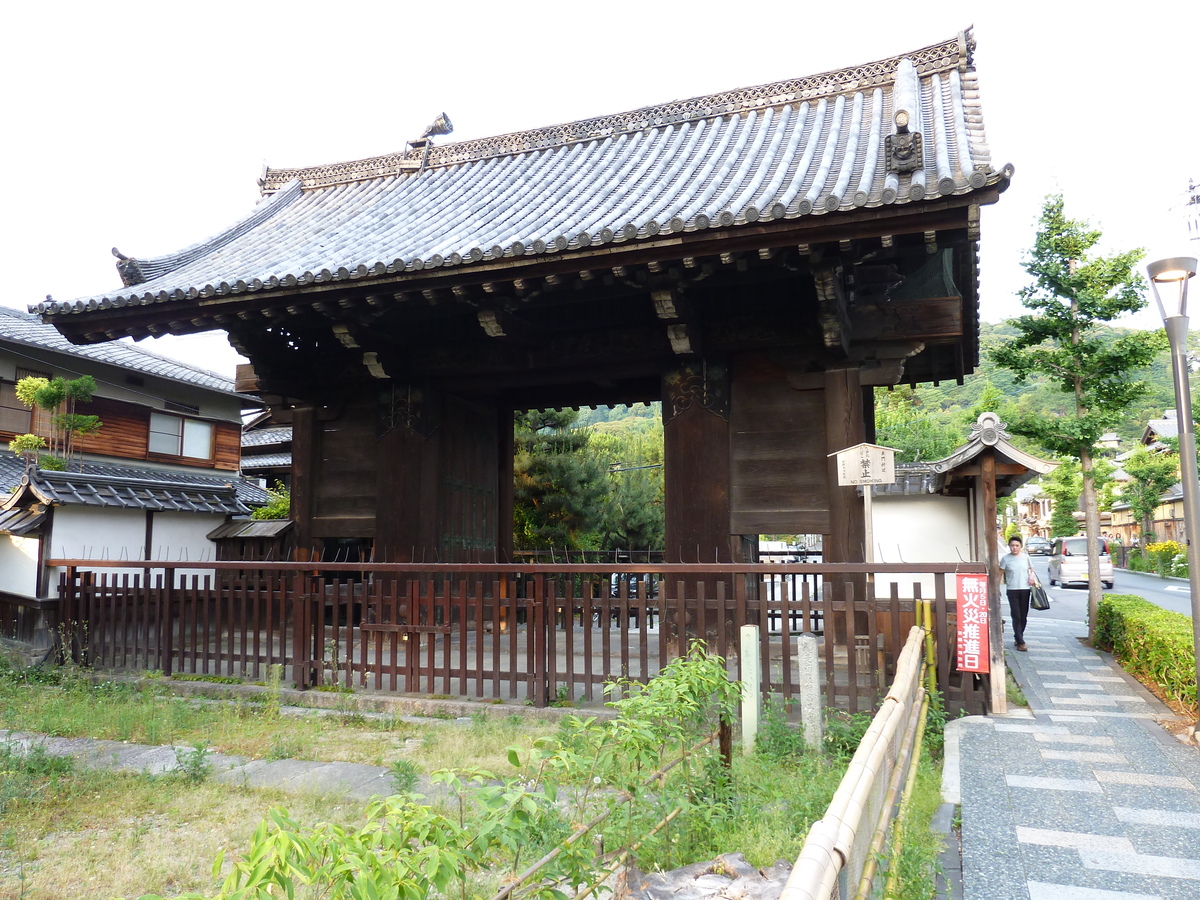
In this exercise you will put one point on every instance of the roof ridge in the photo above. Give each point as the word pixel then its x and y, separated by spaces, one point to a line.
pixel 955 53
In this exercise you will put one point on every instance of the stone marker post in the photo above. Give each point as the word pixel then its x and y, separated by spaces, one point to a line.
pixel 751 687
pixel 810 690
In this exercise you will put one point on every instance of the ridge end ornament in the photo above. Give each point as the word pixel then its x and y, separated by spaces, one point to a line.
pixel 988 429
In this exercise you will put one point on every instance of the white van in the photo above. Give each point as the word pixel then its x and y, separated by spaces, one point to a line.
pixel 1069 562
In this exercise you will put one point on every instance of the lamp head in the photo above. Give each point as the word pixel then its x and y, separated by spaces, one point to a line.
pixel 1172 276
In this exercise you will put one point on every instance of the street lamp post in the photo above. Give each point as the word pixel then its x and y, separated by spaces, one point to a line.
pixel 1169 279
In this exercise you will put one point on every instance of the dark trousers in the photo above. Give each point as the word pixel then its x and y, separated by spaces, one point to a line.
pixel 1018 605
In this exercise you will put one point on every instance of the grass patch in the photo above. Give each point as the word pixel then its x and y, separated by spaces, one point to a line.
pixel 1012 690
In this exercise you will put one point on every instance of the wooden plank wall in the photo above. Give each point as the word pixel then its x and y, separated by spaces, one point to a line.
pixel 777 467
pixel 344 484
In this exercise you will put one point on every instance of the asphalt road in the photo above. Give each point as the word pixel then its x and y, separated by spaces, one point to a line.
pixel 1071 602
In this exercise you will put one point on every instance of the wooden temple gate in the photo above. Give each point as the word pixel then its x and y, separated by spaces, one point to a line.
pixel 525 633
pixel 758 261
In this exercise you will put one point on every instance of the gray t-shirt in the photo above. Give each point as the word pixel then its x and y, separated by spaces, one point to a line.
pixel 1016 571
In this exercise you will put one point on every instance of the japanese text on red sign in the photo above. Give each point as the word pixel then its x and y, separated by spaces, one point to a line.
pixel 973 651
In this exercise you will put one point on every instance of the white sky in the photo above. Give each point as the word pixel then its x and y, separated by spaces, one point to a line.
pixel 145 125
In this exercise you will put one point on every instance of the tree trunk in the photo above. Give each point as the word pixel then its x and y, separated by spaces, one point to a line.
pixel 1091 524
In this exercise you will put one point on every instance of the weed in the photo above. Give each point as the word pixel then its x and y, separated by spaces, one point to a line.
pixel 562 696
pixel 404 776
pixel 274 691
pixel 844 731
pixel 776 738
pixel 211 679
pixel 1012 691
pixel 282 748
pixel 194 765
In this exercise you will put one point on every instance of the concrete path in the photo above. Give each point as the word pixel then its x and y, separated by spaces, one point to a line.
pixel 1083 797
pixel 288 775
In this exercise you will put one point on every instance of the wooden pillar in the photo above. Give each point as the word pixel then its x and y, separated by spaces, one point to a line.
pixel 696 464
pixel 305 438
pixel 846 540
pixel 843 428
pixel 505 452
pixel 998 701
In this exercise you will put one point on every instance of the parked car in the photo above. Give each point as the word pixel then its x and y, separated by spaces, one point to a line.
pixel 1037 546
pixel 1069 561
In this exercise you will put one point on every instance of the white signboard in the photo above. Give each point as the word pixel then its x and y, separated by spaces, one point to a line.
pixel 865 464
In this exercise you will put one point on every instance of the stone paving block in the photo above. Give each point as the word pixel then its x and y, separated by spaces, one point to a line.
pixel 1138 864
pixel 1085 756
pixel 1083 785
pixel 1091 740
pixel 1041 890
pixel 1145 780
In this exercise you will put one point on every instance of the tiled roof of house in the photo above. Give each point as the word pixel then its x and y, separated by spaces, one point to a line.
pixel 28 330
pixel 271 436
pixel 103 484
pixel 811 146
pixel 266 461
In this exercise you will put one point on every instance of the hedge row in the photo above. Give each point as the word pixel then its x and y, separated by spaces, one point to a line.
pixel 1150 643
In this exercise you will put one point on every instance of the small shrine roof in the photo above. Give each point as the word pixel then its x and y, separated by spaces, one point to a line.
pixel 810 146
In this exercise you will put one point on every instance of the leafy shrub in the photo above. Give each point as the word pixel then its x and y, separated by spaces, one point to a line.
pixel 1150 642
pixel 1167 558
pixel 279 506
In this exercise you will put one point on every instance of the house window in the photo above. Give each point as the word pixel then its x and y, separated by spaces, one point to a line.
pixel 15 416
pixel 176 436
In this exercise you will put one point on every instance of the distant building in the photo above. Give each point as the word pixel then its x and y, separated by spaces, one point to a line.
pixel 161 473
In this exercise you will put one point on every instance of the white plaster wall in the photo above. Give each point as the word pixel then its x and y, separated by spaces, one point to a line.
pixel 916 529
pixel 89 532
pixel 18 564
pixel 82 532
pixel 181 536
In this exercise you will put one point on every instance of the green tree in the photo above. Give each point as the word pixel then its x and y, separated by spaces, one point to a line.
pixel 631 452
pixel 59 397
pixel 1151 473
pixel 559 488
pixel 1063 487
pixel 916 431
pixel 1073 295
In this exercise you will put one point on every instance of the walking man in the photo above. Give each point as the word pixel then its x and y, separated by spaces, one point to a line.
pixel 1018 579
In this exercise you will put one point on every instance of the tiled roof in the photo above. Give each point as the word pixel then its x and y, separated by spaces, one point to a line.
pixel 270 436
pixel 17 327
pixel 807 147
pixel 102 484
pixel 266 461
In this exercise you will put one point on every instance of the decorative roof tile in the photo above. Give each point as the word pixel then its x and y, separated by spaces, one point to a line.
pixel 823 144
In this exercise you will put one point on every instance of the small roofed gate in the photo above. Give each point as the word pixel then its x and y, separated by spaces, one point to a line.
pixel 527 633
pixel 758 260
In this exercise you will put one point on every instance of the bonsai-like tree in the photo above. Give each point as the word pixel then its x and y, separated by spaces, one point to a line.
pixel 1073 295
pixel 59 397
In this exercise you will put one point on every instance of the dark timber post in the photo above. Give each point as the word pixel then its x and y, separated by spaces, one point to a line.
pixel 997 702
pixel 844 428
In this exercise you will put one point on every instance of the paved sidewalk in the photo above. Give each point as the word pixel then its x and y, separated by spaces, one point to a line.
pixel 1086 797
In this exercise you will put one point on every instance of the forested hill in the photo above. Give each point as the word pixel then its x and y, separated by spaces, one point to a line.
pixel 933 420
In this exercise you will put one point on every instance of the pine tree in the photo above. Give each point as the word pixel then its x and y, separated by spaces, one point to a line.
pixel 559 488
pixel 1073 295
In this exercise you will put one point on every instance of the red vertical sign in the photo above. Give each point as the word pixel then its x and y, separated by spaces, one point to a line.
pixel 973 651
